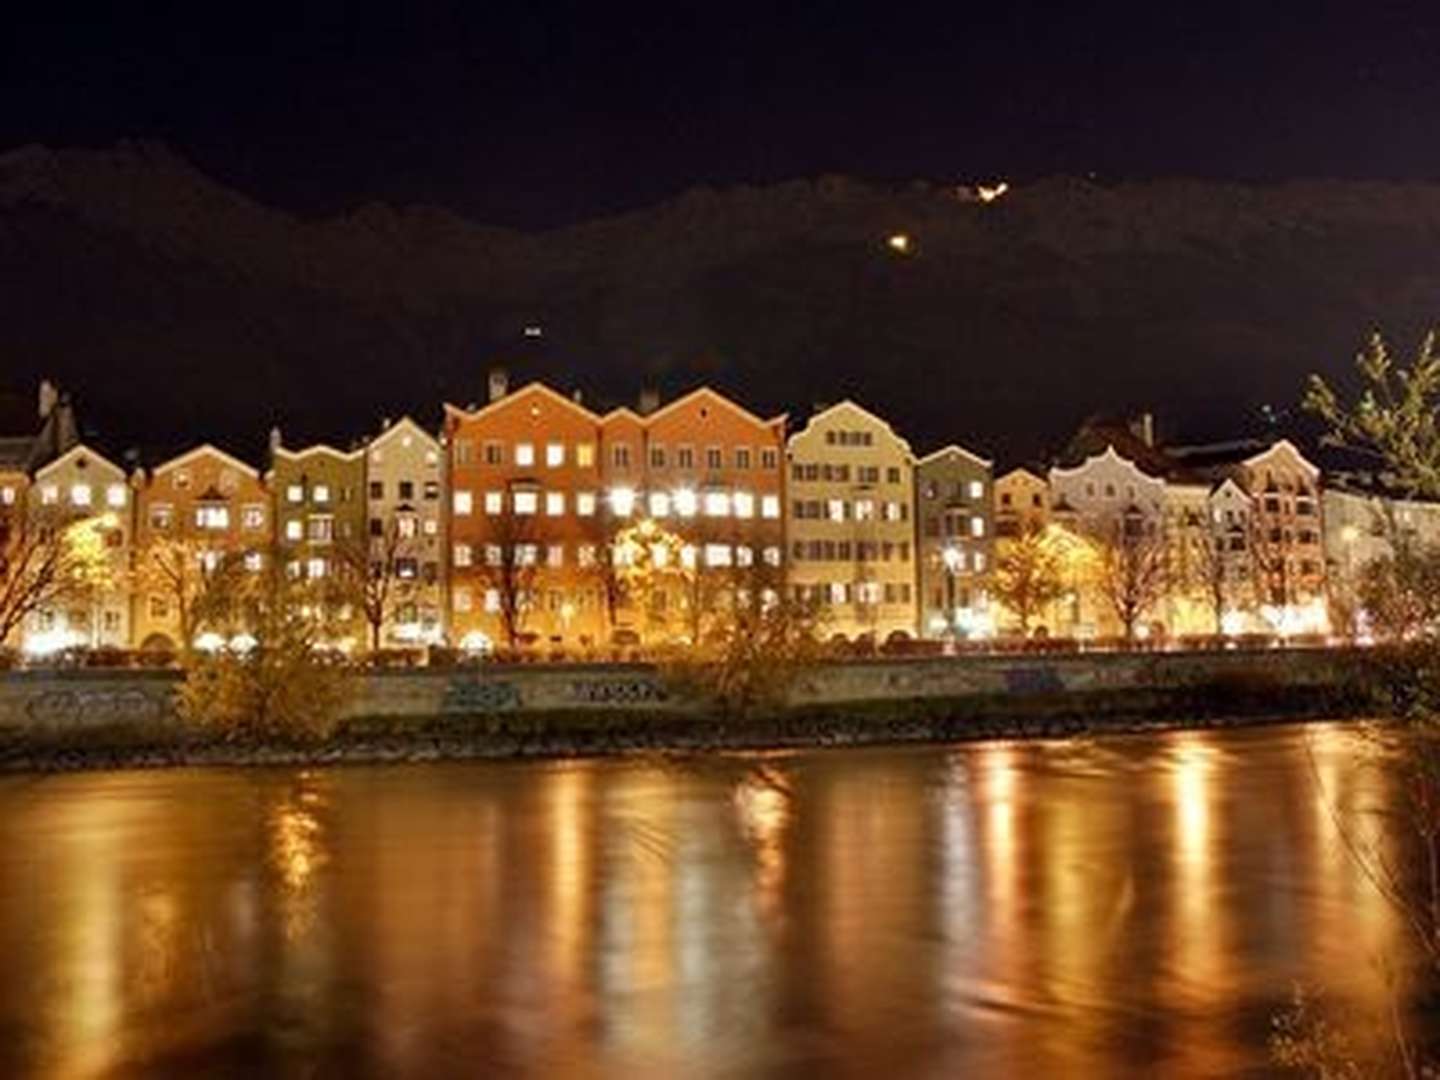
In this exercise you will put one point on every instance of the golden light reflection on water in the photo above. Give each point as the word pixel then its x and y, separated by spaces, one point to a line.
pixel 1136 907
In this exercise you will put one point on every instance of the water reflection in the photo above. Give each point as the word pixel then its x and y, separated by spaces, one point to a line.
pixel 1029 909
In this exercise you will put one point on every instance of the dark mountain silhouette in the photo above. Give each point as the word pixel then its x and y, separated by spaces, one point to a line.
pixel 176 308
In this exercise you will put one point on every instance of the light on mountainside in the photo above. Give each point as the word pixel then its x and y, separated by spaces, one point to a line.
pixel 899 243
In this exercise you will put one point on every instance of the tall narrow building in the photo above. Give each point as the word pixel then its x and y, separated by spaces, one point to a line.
pixel 956 538
pixel 850 524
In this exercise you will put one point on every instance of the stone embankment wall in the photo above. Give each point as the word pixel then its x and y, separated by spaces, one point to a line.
pixel 73 701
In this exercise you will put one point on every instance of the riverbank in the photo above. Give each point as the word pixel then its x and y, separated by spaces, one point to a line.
pixel 673 728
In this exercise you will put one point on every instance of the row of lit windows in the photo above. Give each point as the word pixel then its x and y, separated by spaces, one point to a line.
pixel 845 551
pixel 556 455
pixel 320 494
pixel 865 593
pixel 586 556
pixel 955 525
pixel 81 495
pixel 208 516
pixel 826 471
pixel 432 457
pixel 405 489
pixel 848 510
pixel 974 489
pixel 622 502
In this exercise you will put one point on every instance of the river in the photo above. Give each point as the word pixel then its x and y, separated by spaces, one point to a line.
pixel 1123 906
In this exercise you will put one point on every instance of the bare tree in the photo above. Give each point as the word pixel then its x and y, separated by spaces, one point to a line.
pixel 1132 573
pixel 193 579
pixel 381 573
pixel 47 559
pixel 1029 573
pixel 509 564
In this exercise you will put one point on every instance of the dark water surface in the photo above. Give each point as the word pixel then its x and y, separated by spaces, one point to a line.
pixel 1129 906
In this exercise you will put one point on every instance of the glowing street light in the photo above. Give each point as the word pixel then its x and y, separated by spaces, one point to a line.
pixel 899 243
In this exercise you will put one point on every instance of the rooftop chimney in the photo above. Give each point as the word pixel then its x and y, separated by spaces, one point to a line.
pixel 578 396
pixel 276 440
pixel 499 383
pixel 48 397
pixel 1143 428
pixel 649 400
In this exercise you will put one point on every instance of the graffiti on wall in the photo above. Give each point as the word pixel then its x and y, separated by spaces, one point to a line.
pixel 629 691
pixel 97 706
pixel 470 695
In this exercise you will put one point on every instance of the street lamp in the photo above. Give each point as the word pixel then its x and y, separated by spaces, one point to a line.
pixel 953 559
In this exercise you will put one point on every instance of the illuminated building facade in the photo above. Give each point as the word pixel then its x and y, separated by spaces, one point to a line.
pixel 955 526
pixel 405 534
pixel 83 488
pixel 201 507
pixel 850 528
pixel 319 505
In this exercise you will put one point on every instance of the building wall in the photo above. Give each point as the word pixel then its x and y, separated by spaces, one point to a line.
pixel 1022 500
pixel 1098 500
pixel 319 506
pixel 1286 541
pixel 407 496
pixel 710 472
pixel 850 529
pixel 525 471
pixel 955 529
pixel 169 508
pixel 82 485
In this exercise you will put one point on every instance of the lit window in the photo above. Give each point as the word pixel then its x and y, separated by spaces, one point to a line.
pixel 659 504
pixel 209 561
pixel 253 517
pixel 744 504
pixel 322 493
pixel 295 493
pixel 554 503
pixel 687 556
pixel 405 526
pixel 717 504
pixel 772 556
pixel 494 502
pixel 315 568
pixel 464 503
pixel 294 530
pixel 494 556
pixel 977 526
pixel 49 494
pixel 686 503
pixel 977 489
pixel 492 600
pixel 585 555
pixel 254 561
pixel 431 527
pixel 622 502
pixel 115 496
pixel 979 562
pixel 462 555
pixel 322 529
pixel 526 502
pixel 660 555
pixel 80 494
pixel 554 454
pixel 892 511
pixel 770 506
pixel 585 504
pixel 527 554
pixel 462 599
pixel 161 516
pixel 431 457
pixel 585 455
pixel 837 592
pixel 744 556
pixel 864 509
pixel 555 555
pixel 524 453
pixel 7 496
pixel 212 517
pixel 835 509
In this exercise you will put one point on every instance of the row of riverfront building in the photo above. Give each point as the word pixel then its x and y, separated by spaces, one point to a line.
pixel 888 541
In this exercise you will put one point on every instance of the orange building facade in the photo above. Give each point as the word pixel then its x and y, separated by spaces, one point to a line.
pixel 203 504
pixel 540 486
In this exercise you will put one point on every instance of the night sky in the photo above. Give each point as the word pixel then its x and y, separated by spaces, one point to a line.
pixel 540 115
